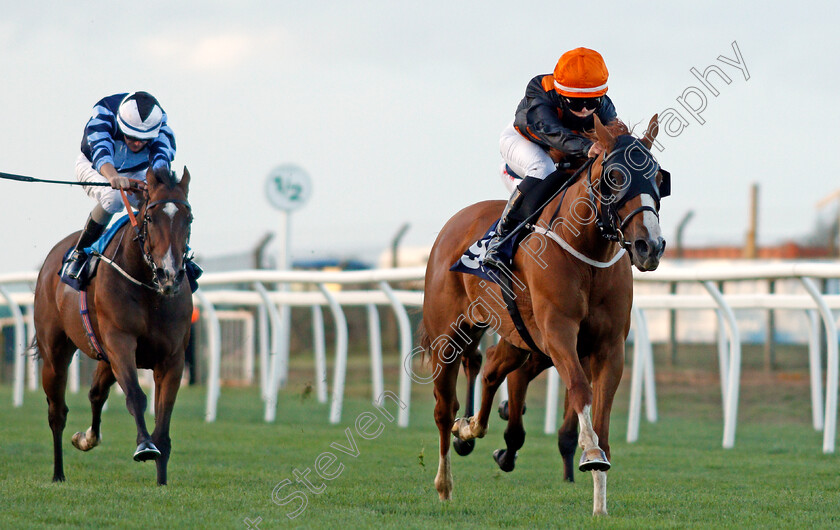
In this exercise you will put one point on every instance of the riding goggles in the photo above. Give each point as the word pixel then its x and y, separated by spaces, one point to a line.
pixel 578 104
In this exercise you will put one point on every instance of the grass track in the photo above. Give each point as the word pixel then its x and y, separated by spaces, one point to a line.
pixel 222 473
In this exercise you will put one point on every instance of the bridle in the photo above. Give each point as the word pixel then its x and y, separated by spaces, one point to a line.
pixel 141 231
pixel 639 178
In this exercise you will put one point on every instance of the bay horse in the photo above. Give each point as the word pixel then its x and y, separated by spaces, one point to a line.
pixel 140 315
pixel 574 298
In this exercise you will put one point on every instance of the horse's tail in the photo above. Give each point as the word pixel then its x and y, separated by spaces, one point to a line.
pixel 33 349
pixel 422 338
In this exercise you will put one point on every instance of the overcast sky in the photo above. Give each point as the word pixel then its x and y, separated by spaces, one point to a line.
pixel 395 108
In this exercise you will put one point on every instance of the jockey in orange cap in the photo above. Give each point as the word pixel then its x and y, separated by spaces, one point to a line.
pixel 556 107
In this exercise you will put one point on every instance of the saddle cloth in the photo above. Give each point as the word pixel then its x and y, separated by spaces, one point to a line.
pixel 472 260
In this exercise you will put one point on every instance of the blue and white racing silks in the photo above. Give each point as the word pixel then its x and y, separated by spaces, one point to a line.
pixel 104 142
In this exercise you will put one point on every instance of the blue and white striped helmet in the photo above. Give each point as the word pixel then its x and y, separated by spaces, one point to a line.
pixel 140 116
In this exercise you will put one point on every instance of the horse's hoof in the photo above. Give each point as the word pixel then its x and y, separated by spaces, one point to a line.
pixel 504 464
pixel 146 451
pixel 459 426
pixel 504 410
pixel 463 447
pixel 594 460
pixel 81 442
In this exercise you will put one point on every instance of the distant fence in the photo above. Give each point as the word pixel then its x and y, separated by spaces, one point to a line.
pixel 247 290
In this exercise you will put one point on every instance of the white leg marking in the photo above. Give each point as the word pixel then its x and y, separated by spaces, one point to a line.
pixel 599 480
pixel 443 480
pixel 649 219
pixel 587 439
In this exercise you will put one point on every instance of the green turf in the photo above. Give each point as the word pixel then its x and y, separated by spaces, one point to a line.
pixel 677 475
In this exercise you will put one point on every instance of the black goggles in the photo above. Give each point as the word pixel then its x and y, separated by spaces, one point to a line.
pixel 578 104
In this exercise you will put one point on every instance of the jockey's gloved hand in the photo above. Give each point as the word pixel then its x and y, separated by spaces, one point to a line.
pixel 120 183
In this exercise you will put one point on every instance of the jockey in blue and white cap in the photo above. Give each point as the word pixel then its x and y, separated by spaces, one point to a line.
pixel 125 134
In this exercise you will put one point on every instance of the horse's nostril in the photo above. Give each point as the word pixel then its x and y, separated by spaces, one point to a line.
pixel 641 247
pixel 662 244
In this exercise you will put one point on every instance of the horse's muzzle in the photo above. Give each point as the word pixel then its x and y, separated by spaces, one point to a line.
pixel 168 283
pixel 647 253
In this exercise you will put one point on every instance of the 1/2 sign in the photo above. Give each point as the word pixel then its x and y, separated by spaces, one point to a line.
pixel 288 187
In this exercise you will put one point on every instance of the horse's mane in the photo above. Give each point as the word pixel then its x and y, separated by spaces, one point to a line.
pixel 170 180
pixel 615 127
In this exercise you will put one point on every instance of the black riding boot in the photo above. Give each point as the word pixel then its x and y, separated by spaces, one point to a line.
pixel 529 197
pixel 91 232
pixel 511 217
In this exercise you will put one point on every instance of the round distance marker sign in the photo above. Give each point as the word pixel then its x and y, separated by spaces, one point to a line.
pixel 288 187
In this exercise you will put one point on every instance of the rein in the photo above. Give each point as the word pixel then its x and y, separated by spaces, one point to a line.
pixel 22 178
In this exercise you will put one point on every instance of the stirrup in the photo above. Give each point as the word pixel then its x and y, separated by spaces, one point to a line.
pixel 75 264
pixel 491 257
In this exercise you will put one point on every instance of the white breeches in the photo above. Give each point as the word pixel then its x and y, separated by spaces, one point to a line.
pixel 109 198
pixel 524 157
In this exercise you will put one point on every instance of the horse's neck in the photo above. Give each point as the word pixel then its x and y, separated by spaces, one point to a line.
pixel 576 221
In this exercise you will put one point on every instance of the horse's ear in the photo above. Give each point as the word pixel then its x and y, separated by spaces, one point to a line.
pixel 652 131
pixel 185 181
pixel 604 137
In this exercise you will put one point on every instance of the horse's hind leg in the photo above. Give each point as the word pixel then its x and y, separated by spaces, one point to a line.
pixel 103 378
pixel 567 440
pixel 567 435
pixel 167 382
pixel 446 405
pixel 56 354
pixel 472 367
pixel 518 381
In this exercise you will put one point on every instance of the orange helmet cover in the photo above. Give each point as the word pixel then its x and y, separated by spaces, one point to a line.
pixel 581 73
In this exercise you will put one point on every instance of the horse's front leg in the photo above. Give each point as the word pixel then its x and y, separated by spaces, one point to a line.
pixel 167 382
pixel 562 334
pixel 607 367
pixel 501 360
pixel 103 378
pixel 472 367
pixel 518 381
pixel 121 348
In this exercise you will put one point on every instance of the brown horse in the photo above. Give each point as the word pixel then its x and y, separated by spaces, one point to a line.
pixel 574 298
pixel 140 316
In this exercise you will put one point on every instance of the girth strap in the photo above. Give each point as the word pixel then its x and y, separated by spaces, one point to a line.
pixel 83 310
pixel 513 310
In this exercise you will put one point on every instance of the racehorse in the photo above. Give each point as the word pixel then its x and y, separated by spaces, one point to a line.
pixel 140 318
pixel 574 298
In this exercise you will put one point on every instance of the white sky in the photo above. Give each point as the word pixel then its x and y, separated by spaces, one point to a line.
pixel 395 108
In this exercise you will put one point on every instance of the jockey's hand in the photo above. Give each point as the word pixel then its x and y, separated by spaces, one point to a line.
pixel 120 183
pixel 595 150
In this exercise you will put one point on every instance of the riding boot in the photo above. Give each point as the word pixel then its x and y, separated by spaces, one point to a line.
pixel 75 262
pixel 528 198
pixel 511 217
